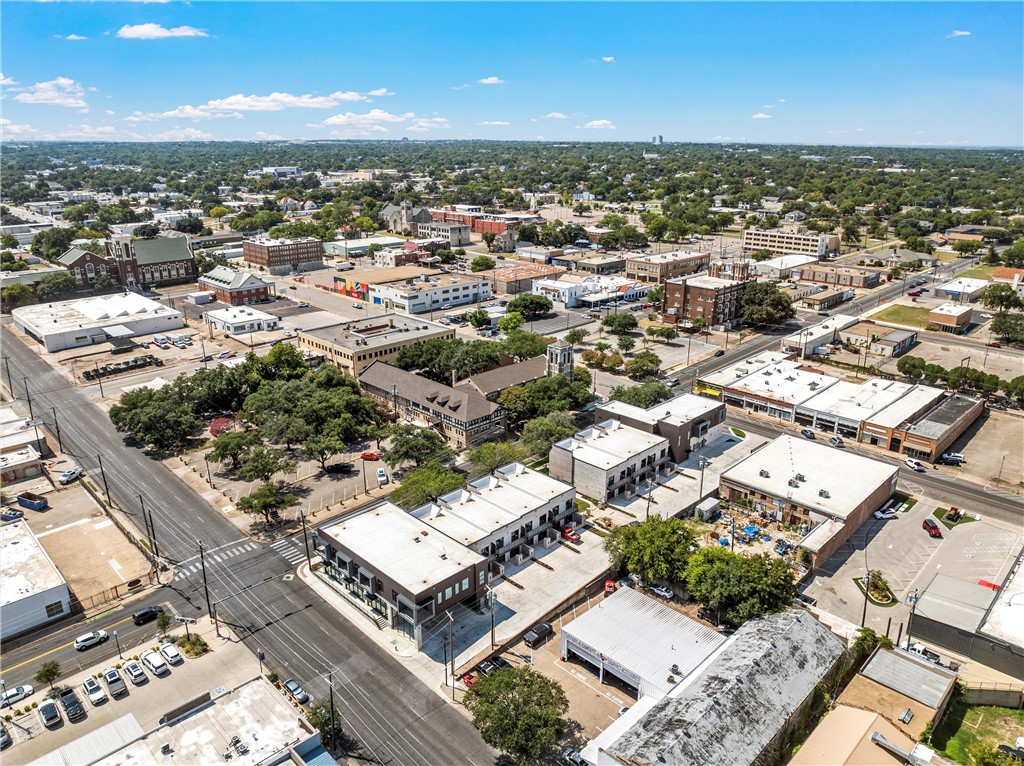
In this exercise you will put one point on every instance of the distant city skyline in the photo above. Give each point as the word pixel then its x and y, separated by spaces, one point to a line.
pixel 852 74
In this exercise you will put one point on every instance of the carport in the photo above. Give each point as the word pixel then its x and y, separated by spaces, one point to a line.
pixel 120 338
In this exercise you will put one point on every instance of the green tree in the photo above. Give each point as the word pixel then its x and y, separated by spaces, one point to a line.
pixel 764 254
pixel 263 462
pixel 967 247
pixel 322 447
pixel 326 721
pixel 479 318
pixel 519 405
pixel 1001 297
pixel 56 287
pixel 1009 327
pixel 619 323
pixel 530 306
pixel 268 500
pixel 739 587
pixel 518 711
pixel 189 225
pixel 416 444
pixel 522 345
pixel 511 322
pixel 625 343
pixel 163 623
pixel 425 485
pixel 645 395
pixel 104 282
pixel 482 263
pixel 656 294
pixel 8 242
pixel 490 456
pixel 488 238
pixel 644 364
pixel 233 446
pixel 51 243
pixel 219 211
pixel 764 305
pixel 541 432
pixel 657 549
pixel 146 231
pixel 16 295
pixel 163 418
pixel 48 672
pixel 986 754
pixel 576 336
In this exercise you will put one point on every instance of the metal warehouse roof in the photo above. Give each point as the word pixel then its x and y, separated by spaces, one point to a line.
pixel 645 637
pixel 910 676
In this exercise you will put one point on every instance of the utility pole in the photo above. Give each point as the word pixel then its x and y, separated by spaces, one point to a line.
pixel 334 728
pixel 28 396
pixel 206 589
pixel 152 527
pixel 451 640
pixel 10 382
pixel 99 378
pixel 56 424
pixel 305 539
pixel 103 474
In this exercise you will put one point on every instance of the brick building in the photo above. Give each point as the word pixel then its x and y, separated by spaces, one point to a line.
pixel 281 256
pixel 659 268
pixel 85 265
pixel 152 262
pixel 235 287
pixel 713 299
pixel 840 276
pixel 789 238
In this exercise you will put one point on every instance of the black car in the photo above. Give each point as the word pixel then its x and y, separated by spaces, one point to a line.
pixel 147 614
pixel 340 468
pixel 720 352
pixel 500 662
pixel 537 633
pixel 72 707
pixel 486 667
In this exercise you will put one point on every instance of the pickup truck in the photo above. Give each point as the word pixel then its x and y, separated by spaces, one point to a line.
pixel 921 651
pixel 32 501
pixel 72 707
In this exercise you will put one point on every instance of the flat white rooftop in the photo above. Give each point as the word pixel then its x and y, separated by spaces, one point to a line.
pixel 708 283
pixel 25 568
pixel 791 261
pixel 1005 619
pixel 783 381
pixel 15 434
pixel 239 314
pixel 854 401
pixel 681 409
pixel 847 478
pixel 821 332
pixel 491 503
pixel 416 555
pixel 964 285
pixel 609 444
pixel 728 375
pixel 677 255
pixel 49 318
pixel 952 310
pixel 907 407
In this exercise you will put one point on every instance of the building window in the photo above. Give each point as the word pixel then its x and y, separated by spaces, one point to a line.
pixel 465 583
pixel 54 609
pixel 439 598
pixel 447 593
pixel 482 575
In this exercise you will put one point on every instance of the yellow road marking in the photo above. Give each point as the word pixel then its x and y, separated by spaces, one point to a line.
pixel 57 648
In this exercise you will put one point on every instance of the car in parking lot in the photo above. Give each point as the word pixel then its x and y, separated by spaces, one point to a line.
pixel 890 514
pixel 570 534
pixel 171 653
pixel 293 688
pixel 807 433
pixel 17 694
pixel 73 709
pixel 537 633
pixel 931 527
pixel 70 475
pixel 609 587
pixel 469 679
pixel 572 758
pixel 154 662
pixel 500 662
pixel 661 590
pixel 49 714
pixel 486 667
pixel 719 352
pixel 115 684
pixel 836 441
pixel 914 465
pixel 382 476
pixel 147 614
pixel 953 457
pixel 369 456
pixel 89 640
pixel 340 468
pixel 94 691
pixel 5 737
pixel 135 672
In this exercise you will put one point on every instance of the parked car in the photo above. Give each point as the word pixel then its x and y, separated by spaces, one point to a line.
pixel 500 662
pixel 890 514
pixel 638 581
pixel 571 535
pixel 994 344
pixel 171 653
pixel 147 614
pixel 537 633
pixel 572 758
pixel 293 688
pixel 931 527
pixel 73 709
pixel 49 715
pixel 89 640
pixel 486 667
pixel 17 694
pixel 661 590
pixel 609 587
pixel 382 476
pixel 94 691
pixel 719 352
pixel 70 475
pixel 135 672
pixel 954 457
pixel 835 441
pixel 469 679
pixel 115 684
pixel 369 456
pixel 914 465
pixel 154 662
pixel 807 433
pixel 5 737
pixel 340 468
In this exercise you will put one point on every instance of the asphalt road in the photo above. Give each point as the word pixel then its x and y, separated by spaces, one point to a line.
pixel 386 708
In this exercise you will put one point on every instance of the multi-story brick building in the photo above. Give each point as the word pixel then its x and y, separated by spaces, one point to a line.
pixel 281 256
pixel 791 237
pixel 659 268
pixel 85 265
pixel 152 262
pixel 715 300
pixel 841 276
pixel 235 287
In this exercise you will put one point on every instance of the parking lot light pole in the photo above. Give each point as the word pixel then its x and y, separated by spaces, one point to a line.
pixel 118 643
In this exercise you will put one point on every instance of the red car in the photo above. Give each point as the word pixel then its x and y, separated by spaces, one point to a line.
pixel 469 679
pixel 369 456
pixel 570 535
pixel 929 526
pixel 609 587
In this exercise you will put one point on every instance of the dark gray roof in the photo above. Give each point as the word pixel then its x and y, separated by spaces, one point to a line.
pixel 947 413
pixel 436 398
pixel 731 711
pixel 231 279
pixel 911 676
pixel 161 250
pixel 501 378
pixel 71 256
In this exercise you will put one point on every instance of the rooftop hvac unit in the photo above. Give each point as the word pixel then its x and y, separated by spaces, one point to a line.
pixel 793 483
pixel 764 474
pixel 800 477
pixel 823 493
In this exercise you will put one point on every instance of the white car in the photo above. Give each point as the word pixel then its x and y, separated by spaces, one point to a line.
pixel 954 457
pixel 914 464
pixel 154 662
pixel 17 694
pixel 171 654
pixel 94 691
pixel 886 515
pixel 135 672
pixel 660 590
pixel 382 476
pixel 88 640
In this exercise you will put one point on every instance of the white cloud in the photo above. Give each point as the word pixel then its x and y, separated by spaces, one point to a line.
pixel 958 33
pixel 181 134
pixel 460 87
pixel 263 136
pixel 157 32
pixel 491 81
pixel 600 125
pixel 141 117
pixel 373 120
pixel 61 91
pixel 109 112
pixel 920 133
pixel 424 124
pixel 8 128
pixel 75 37
pixel 608 59
pixel 494 122
pixel 199 113
pixel 539 138
pixel 380 92
pixel 781 100
pixel 533 119
pixel 556 116
pixel 4 80
pixel 760 116
pixel 232 106
pixel 768 106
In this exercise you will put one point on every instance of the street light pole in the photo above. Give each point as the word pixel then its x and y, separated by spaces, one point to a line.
pixel 118 643
pixel 206 589
pixel 305 539
pixel 103 474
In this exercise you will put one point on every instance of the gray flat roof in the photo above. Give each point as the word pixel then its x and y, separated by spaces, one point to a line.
pixel 609 444
pixel 25 568
pixel 955 602
pixel 910 675
pixel 948 412
pixel 906 407
pixel 376 331
pixel 680 409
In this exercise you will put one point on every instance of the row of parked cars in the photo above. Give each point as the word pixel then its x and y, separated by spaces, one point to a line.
pixel 497 662
pixel 114 368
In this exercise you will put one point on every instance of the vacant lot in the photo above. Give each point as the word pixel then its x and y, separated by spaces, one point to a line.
pixel 965 727
pixel 908 316
pixel 977 272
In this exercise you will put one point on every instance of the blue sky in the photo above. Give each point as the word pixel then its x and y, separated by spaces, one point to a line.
pixel 941 73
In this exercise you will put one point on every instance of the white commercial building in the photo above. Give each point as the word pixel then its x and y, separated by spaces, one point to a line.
pixel 16 434
pixel 498 514
pixel 639 640
pixel 610 459
pixel 824 333
pixel 769 384
pixel 783 266
pixel 842 408
pixel 241 319
pixel 430 293
pixel 962 290
pixel 72 324
pixel 575 290
pixel 32 589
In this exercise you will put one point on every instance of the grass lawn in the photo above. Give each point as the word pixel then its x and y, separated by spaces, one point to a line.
pixel 911 316
pixel 738 432
pixel 940 514
pixel 946 256
pixel 977 272
pixel 964 727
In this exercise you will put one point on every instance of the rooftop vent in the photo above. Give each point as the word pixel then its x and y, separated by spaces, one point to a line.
pixel 823 493
pixel 800 477
pixel 793 483
pixel 764 474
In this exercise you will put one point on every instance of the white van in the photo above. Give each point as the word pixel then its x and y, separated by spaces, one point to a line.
pixel 345 266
